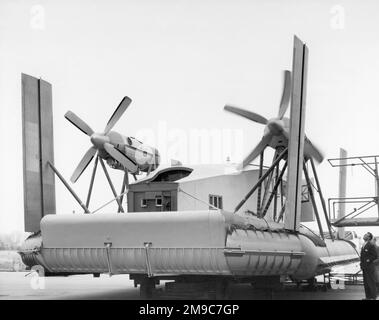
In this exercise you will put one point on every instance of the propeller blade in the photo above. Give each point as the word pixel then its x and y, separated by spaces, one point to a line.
pixel 257 150
pixel 246 114
pixel 286 94
pixel 83 164
pixel 310 150
pixel 121 157
pixel 79 123
pixel 125 102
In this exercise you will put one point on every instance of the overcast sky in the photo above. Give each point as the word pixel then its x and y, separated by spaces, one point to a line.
pixel 180 62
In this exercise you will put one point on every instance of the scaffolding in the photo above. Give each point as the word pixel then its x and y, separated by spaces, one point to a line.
pixel 370 164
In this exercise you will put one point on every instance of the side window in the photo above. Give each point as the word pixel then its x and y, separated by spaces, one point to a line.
pixel 143 203
pixel 158 201
pixel 215 201
pixel 220 202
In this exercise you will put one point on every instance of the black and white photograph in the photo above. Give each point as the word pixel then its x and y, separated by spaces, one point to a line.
pixel 210 152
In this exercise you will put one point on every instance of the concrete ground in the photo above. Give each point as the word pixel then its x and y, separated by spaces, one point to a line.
pixel 19 285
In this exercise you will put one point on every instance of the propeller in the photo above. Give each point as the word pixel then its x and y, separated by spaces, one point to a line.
pixel 286 95
pixel 125 102
pixel 121 157
pixel 312 151
pixel 257 150
pixel 275 127
pixel 247 114
pixel 83 164
pixel 101 141
pixel 79 123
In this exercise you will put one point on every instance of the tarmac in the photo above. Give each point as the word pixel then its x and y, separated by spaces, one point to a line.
pixel 24 286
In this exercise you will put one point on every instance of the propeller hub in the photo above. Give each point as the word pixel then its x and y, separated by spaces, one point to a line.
pixel 275 126
pixel 98 140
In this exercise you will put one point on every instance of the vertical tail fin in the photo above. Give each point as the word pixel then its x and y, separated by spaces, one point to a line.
pixel 38 150
pixel 296 139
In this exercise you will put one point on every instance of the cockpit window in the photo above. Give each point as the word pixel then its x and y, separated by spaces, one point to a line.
pixel 137 140
pixel 172 175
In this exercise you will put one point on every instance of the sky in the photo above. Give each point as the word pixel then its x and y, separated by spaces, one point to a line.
pixel 181 62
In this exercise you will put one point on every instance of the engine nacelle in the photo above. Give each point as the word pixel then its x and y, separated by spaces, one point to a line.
pixel 143 156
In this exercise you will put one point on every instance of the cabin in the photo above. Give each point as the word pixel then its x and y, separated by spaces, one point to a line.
pixel 202 187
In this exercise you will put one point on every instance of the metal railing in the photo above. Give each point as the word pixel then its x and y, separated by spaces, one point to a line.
pixel 361 204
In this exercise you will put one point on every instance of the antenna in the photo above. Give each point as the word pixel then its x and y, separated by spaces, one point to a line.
pixel 342 191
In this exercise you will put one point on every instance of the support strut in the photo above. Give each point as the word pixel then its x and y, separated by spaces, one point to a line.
pixel 321 198
pixel 248 195
pixel 275 189
pixel 125 184
pixel 260 185
pixel 92 180
pixel 111 185
pixel 311 195
pixel 268 184
pixel 68 187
